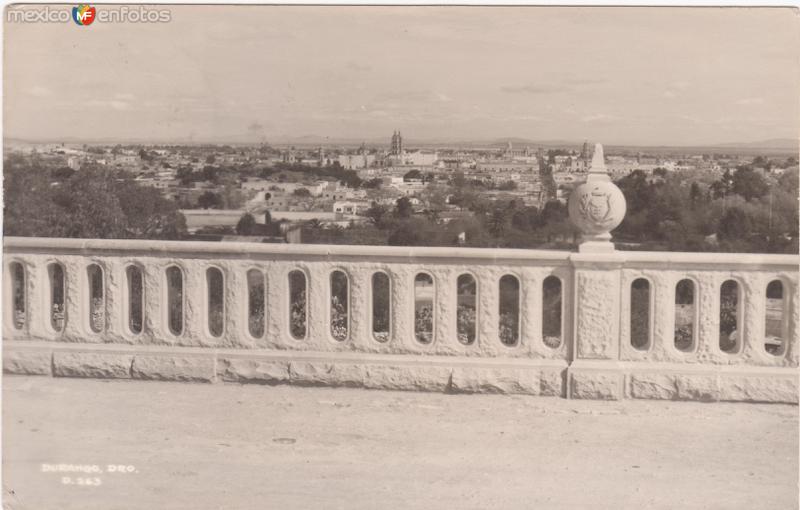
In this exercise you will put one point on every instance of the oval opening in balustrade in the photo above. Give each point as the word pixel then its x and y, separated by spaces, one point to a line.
pixel 640 314
pixel 216 301
pixel 381 306
pixel 509 310
pixel 551 311
pixel 729 322
pixel 683 334
pixel 256 303
pixel 17 294
pixel 775 320
pixel 175 300
pixel 466 312
pixel 340 306
pixel 135 299
pixel 423 308
pixel 298 308
pixel 97 316
pixel 58 313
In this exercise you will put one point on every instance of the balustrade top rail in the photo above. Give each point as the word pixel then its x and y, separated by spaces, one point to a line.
pixel 206 249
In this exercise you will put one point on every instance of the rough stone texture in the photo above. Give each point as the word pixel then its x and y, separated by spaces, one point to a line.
pixel 402 377
pixel 551 382
pixel 713 387
pixel 92 364
pixel 595 384
pixel 28 361
pixel 326 374
pixel 597 310
pixel 704 388
pixel 174 368
pixel 252 370
pixel 487 380
pixel 758 389
pixel 674 386
pixel 653 386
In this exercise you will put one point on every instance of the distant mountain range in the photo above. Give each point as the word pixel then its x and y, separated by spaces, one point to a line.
pixel 774 144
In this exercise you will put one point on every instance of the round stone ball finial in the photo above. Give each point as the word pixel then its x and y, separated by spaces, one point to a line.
pixel 597 206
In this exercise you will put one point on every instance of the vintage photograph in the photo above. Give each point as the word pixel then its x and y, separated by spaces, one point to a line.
pixel 395 256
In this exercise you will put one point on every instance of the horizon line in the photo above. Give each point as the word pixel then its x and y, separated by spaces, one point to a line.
pixel 783 143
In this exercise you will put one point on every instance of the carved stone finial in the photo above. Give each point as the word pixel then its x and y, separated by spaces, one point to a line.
pixel 598 160
pixel 597 206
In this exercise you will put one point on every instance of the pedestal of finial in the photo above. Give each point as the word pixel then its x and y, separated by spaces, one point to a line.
pixel 599 243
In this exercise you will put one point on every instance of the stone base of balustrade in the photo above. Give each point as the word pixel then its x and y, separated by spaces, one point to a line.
pixel 356 370
pixel 611 380
pixel 583 379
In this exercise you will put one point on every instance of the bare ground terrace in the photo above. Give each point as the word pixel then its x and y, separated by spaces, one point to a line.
pixel 200 446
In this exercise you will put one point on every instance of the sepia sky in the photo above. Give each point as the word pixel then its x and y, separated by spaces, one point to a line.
pixel 244 73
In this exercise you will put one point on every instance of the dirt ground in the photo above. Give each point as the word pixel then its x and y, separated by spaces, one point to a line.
pixel 198 447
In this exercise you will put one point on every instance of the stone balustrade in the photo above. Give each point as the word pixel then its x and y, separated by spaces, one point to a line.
pixel 608 325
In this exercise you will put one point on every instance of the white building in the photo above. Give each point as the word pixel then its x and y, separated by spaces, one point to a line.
pixel 350 207
pixel 356 161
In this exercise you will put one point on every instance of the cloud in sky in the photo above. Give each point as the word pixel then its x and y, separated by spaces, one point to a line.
pixel 555 86
pixel 357 66
pixel 747 101
pixel 599 117
pixel 39 91
pixel 534 89
pixel 546 73
pixel 114 104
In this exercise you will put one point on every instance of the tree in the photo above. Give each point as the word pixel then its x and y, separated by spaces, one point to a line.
pixel 210 174
pixel 725 186
pixel 210 159
pixel 748 183
pixel 525 219
pixel 63 173
pixel 498 221
pixel 734 225
pixel 246 225
pixel 267 218
pixel 637 191
pixel 553 212
pixel 404 235
pixel 403 208
pixel 301 192
pixel 412 174
pixel 184 174
pixel 458 180
pixel 95 203
pixel 761 162
pixel 377 214
pixel 694 194
pixel 374 183
pixel 148 215
pixel 209 200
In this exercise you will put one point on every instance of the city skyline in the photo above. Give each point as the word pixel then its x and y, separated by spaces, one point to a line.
pixel 626 76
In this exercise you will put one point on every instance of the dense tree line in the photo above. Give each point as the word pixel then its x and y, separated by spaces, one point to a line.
pixel 93 203
pixel 741 211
